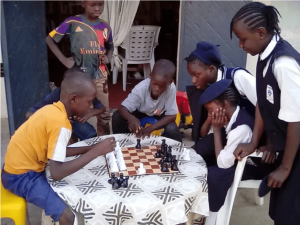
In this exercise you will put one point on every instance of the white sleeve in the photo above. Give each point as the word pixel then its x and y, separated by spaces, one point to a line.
pixel 241 134
pixel 134 99
pixel 287 73
pixel 171 105
pixel 245 83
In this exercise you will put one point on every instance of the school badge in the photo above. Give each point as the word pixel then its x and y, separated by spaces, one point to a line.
pixel 105 33
pixel 270 96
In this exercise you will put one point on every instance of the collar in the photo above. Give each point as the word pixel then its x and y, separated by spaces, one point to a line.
pixel 220 75
pixel 269 48
pixel 232 120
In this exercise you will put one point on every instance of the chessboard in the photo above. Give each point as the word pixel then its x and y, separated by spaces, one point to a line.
pixel 133 157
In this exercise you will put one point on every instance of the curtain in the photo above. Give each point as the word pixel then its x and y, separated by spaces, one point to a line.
pixel 120 15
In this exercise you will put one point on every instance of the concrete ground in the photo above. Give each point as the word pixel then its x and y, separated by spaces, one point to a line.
pixel 244 212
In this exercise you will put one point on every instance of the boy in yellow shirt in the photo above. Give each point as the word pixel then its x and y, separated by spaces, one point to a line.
pixel 44 136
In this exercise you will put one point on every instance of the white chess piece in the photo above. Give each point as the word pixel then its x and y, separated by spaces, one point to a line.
pixel 141 170
pixel 112 162
pixel 118 148
pixel 185 155
pixel 121 162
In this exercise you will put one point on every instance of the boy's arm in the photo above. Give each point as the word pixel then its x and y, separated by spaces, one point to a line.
pixel 59 170
pixel 91 113
pixel 133 122
pixel 243 150
pixel 68 62
pixel 71 151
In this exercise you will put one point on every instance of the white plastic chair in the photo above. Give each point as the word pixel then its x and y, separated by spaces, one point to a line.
pixel 139 45
pixel 224 213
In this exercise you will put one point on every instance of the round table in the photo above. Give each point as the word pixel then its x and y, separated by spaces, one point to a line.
pixel 164 199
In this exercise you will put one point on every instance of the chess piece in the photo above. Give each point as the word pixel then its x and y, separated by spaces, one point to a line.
pixel 170 150
pixel 157 155
pixel 174 166
pixel 125 182
pixel 112 179
pixel 141 170
pixel 164 168
pixel 120 161
pixel 118 148
pixel 116 184
pixel 112 162
pixel 121 180
pixel 138 144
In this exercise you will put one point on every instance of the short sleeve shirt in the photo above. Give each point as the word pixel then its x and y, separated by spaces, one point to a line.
pixel 140 99
pixel 43 136
pixel 87 42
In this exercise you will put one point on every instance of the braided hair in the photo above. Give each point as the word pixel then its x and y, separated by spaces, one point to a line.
pixel 230 95
pixel 257 14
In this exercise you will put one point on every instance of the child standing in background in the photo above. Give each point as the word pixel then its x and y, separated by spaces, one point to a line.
pixel 92 48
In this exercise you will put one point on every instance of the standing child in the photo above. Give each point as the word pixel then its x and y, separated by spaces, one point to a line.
pixel 222 103
pixel 92 48
pixel 154 96
pixel 278 105
pixel 44 136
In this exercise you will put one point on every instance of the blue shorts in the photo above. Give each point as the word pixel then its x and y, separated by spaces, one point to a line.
pixel 83 130
pixel 34 188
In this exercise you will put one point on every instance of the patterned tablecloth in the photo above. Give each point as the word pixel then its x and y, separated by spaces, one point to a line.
pixel 164 199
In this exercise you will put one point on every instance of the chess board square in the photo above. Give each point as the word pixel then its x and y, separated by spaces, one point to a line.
pixel 146 163
pixel 156 170
pixel 129 164
pixel 143 160
pixel 155 167
pixel 142 157
pixel 127 158
pixel 131 148
pixel 135 160
pixel 148 153
pixel 152 160
pixel 133 154
pixel 149 171
pixel 131 173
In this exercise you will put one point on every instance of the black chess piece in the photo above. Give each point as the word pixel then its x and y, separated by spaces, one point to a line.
pixel 112 179
pixel 170 150
pixel 157 155
pixel 121 180
pixel 138 144
pixel 116 185
pixel 174 166
pixel 125 182
pixel 164 168
pixel 166 150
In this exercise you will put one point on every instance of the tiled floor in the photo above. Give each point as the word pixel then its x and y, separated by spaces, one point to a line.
pixel 244 212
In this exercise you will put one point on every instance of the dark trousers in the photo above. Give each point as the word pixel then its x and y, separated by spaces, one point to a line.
pixel 120 125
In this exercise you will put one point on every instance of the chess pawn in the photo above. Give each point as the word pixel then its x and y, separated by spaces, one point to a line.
pixel 157 155
pixel 125 182
pixel 164 168
pixel 113 177
pixel 116 185
pixel 170 150
pixel 174 166
pixel 138 144
pixel 121 180
pixel 141 170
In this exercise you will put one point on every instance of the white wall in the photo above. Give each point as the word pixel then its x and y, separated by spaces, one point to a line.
pixel 289 24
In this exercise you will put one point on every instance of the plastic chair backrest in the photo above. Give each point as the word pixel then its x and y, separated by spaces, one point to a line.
pixel 140 42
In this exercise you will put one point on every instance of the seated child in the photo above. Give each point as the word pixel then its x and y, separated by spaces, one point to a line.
pixel 154 96
pixel 222 103
pixel 204 65
pixel 80 127
pixel 44 136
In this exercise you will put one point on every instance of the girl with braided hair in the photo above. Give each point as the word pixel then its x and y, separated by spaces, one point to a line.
pixel 278 106
pixel 221 101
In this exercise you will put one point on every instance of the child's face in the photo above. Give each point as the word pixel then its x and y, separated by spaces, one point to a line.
pixel 93 8
pixel 200 75
pixel 83 104
pixel 250 41
pixel 212 107
pixel 158 85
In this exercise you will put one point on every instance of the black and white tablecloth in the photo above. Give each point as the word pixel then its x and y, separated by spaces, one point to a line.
pixel 164 199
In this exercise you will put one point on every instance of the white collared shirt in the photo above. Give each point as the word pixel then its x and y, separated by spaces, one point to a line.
pixel 241 134
pixel 244 82
pixel 287 73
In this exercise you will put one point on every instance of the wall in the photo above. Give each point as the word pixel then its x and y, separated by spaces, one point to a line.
pixel 289 24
